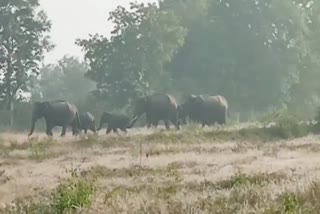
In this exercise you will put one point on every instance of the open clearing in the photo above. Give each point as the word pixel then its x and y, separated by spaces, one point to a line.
pixel 152 171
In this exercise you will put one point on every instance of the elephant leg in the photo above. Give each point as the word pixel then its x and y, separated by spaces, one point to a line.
pixel 203 124
pixel 85 131
pixel 148 123
pixel 109 129
pixel 224 120
pixel 155 123
pixel 149 120
pixel 75 128
pixel 124 129
pixel 93 128
pixel 49 128
pixel 115 130
pixel 64 130
pixel 166 124
pixel 176 123
pixel 49 131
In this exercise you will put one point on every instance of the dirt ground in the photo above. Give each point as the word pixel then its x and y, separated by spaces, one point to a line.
pixel 27 169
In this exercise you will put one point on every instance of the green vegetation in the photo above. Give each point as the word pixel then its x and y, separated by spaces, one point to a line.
pixel 73 193
pixel 23 42
pixel 269 63
pixel 175 187
pixel 263 56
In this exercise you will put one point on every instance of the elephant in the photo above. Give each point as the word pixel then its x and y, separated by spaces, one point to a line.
pixel 206 109
pixel 115 122
pixel 157 107
pixel 56 113
pixel 87 122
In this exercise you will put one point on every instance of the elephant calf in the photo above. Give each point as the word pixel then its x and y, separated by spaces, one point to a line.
pixel 87 122
pixel 115 122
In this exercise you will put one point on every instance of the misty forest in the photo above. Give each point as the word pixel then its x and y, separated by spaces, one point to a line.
pixel 261 56
pixel 236 84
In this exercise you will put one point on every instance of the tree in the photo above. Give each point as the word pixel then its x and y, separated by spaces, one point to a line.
pixel 65 80
pixel 305 93
pixel 132 61
pixel 23 42
pixel 258 54
pixel 247 50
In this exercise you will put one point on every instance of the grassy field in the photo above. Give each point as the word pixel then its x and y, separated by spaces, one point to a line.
pixel 238 169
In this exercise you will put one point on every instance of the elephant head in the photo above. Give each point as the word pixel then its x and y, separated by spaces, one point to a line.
pixel 140 107
pixel 181 115
pixel 105 118
pixel 39 111
pixel 192 107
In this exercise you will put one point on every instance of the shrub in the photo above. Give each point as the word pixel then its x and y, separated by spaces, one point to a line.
pixel 285 124
pixel 73 192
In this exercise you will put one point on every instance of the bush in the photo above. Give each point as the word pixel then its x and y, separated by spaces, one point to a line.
pixel 74 192
pixel 285 124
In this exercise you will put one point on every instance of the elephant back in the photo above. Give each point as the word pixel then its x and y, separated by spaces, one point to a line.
pixel 217 101
pixel 72 108
pixel 205 108
pixel 117 119
pixel 162 102
pixel 87 117
pixel 63 110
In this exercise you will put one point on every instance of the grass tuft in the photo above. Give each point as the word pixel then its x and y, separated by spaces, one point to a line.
pixel 73 192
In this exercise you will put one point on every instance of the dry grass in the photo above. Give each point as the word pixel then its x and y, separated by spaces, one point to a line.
pixel 148 171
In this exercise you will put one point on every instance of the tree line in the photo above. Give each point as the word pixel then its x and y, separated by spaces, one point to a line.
pixel 260 55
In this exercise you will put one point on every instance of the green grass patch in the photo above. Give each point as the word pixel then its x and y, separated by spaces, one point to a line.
pixel 73 193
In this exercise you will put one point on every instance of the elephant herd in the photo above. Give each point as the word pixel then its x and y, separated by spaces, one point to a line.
pixel 203 109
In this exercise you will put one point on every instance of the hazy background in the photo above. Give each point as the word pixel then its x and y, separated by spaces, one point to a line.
pixel 86 17
pixel 262 56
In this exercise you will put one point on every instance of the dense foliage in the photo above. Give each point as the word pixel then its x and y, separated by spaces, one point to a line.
pixel 132 61
pixel 64 81
pixel 23 43
pixel 260 55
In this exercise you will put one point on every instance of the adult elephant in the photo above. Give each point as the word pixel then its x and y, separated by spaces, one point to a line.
pixel 56 113
pixel 87 122
pixel 157 107
pixel 206 109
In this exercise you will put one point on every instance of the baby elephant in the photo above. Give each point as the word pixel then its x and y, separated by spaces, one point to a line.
pixel 115 122
pixel 87 121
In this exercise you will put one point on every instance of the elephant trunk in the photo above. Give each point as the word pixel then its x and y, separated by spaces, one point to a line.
pixel 133 121
pixel 94 128
pixel 77 124
pixel 102 121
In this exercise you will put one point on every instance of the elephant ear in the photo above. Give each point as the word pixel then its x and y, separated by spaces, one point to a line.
pixel 37 105
pixel 106 116
pixel 43 106
pixel 141 101
pixel 193 98
pixel 198 100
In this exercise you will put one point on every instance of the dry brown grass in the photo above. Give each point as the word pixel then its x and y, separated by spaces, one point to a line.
pixel 190 171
